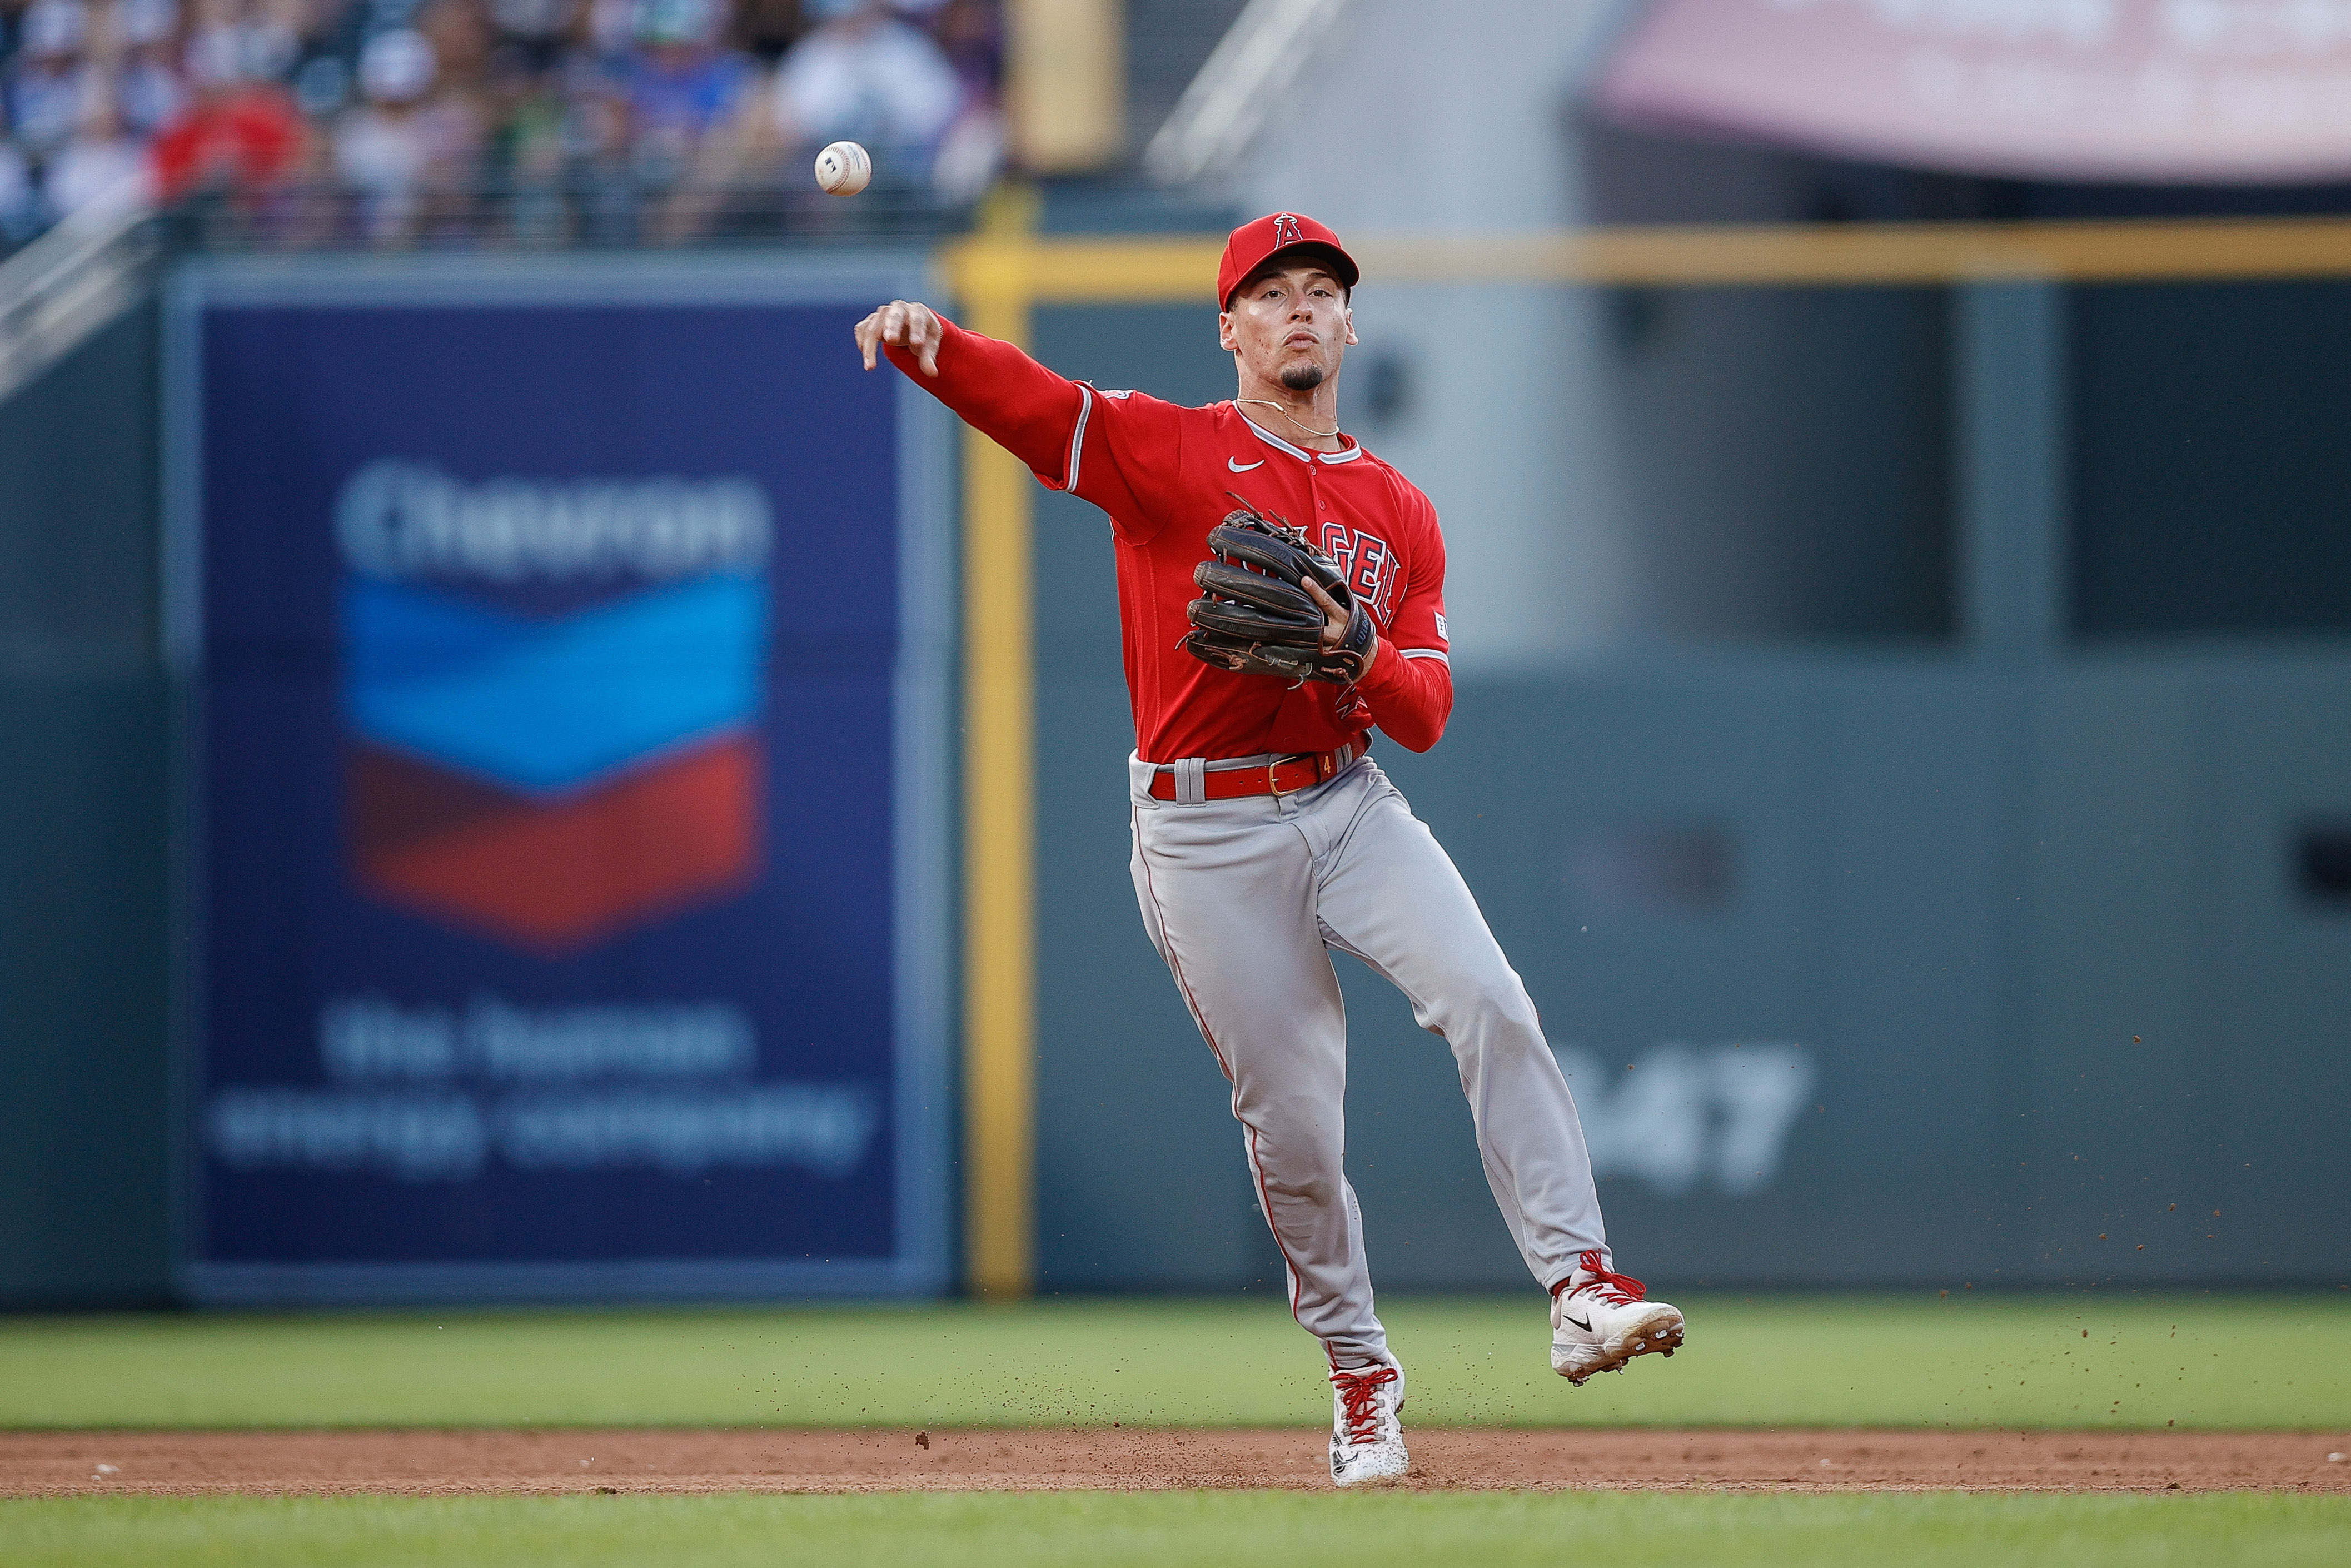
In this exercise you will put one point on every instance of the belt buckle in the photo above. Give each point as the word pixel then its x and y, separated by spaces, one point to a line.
pixel 1274 785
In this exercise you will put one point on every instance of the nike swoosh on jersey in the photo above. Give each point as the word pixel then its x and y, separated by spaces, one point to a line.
pixel 1238 466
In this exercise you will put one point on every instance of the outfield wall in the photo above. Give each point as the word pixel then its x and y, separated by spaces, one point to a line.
pixel 2054 936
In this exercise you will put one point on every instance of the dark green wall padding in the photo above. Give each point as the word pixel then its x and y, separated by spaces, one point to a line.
pixel 84 814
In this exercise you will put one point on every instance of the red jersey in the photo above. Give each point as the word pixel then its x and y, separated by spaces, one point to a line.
pixel 1166 476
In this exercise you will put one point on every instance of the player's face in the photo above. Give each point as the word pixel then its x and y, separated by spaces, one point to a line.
pixel 1290 325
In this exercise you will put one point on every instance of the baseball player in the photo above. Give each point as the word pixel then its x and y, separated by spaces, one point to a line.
pixel 1281 593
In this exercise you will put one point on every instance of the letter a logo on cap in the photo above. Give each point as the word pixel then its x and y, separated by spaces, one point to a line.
pixel 1285 229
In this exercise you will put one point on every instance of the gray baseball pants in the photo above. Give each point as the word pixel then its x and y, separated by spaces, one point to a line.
pixel 1245 899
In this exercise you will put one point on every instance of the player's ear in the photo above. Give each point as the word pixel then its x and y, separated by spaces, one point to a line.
pixel 1225 339
pixel 1348 315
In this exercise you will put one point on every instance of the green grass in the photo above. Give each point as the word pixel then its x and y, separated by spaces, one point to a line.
pixel 2002 1360
pixel 1145 1530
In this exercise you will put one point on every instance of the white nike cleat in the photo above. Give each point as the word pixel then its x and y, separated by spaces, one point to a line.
pixel 1600 1321
pixel 1366 1438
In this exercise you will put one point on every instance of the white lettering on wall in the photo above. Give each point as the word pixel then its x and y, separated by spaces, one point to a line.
pixel 396 518
pixel 440 1137
pixel 1682 1115
pixel 368 1038
pixel 426 1093
pixel 821 1128
pixel 824 1130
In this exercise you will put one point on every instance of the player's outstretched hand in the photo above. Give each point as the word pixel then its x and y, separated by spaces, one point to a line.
pixel 903 324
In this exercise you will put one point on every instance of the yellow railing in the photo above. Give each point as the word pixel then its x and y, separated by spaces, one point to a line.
pixel 1003 273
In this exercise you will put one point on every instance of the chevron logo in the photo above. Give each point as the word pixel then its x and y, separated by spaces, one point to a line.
pixel 552 782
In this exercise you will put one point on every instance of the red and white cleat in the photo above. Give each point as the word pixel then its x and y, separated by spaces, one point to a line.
pixel 1601 1320
pixel 1366 1438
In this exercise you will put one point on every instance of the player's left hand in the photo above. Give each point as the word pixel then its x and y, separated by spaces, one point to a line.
pixel 1334 621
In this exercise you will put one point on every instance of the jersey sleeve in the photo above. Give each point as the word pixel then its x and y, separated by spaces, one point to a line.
pixel 1119 450
pixel 1004 394
pixel 1408 690
pixel 1125 458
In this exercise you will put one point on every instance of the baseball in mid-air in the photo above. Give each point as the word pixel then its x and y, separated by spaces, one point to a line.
pixel 843 168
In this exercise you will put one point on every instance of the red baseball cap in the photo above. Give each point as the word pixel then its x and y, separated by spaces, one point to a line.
pixel 1256 243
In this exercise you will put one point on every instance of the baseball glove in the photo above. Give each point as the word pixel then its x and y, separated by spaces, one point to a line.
pixel 1253 617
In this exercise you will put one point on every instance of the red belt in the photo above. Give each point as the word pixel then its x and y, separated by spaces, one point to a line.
pixel 1284 776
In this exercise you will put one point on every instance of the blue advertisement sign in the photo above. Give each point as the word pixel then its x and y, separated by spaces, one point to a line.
pixel 566 650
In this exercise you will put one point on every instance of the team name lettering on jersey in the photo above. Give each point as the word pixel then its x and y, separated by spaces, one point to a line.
pixel 1369 562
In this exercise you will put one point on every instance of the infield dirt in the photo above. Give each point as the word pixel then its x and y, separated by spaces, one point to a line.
pixel 506 1461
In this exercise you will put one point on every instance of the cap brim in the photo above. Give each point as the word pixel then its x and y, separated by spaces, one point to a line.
pixel 1342 266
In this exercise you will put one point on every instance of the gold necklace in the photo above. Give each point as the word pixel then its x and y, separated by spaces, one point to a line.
pixel 1269 403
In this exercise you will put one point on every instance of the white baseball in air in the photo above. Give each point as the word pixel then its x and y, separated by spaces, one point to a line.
pixel 843 168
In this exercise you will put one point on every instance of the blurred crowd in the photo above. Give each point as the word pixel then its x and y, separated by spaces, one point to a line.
pixel 404 122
